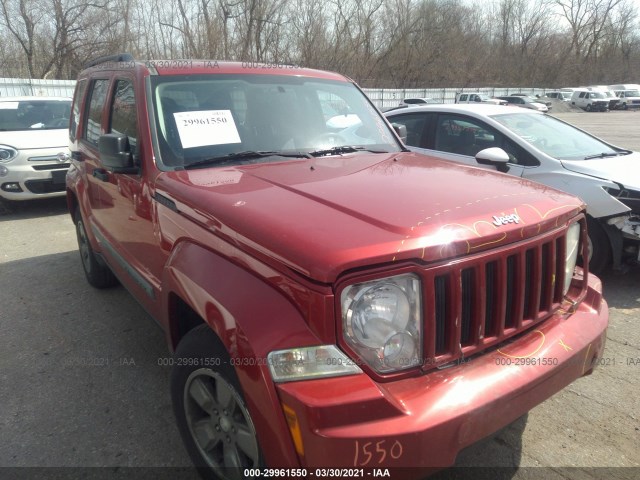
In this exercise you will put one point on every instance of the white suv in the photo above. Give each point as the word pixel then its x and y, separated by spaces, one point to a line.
pixel 34 151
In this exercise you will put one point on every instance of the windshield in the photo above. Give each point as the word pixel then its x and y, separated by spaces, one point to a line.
pixel 555 138
pixel 204 117
pixel 16 115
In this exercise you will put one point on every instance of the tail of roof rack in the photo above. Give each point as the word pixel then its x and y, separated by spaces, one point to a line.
pixel 120 57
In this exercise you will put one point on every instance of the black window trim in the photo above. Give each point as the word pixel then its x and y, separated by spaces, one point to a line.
pixel 109 104
pixel 87 108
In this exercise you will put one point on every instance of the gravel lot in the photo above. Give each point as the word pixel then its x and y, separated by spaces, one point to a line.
pixel 81 384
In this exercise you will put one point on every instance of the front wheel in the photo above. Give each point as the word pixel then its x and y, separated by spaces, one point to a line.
pixel 210 410
pixel 588 107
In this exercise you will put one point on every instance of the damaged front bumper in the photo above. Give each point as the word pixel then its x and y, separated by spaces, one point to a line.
pixel 628 242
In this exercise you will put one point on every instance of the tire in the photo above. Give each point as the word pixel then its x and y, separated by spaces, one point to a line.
pixel 588 107
pixel 624 106
pixel 212 416
pixel 600 255
pixel 5 207
pixel 98 274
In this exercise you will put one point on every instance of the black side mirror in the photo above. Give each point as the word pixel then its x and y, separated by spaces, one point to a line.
pixel 115 153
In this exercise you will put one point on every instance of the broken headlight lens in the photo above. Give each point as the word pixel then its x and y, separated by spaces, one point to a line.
pixel 571 254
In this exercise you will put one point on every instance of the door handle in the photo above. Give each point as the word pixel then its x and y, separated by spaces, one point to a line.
pixel 101 174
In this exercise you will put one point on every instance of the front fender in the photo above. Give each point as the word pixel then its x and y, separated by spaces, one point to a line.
pixel 251 318
pixel 589 189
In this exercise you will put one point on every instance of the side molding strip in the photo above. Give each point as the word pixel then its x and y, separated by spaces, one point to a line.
pixel 139 279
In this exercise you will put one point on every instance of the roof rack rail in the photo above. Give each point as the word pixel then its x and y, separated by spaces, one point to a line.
pixel 120 57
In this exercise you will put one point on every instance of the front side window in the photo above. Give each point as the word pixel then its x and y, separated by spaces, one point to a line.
pixel 467 136
pixel 123 113
pixel 19 115
pixel 205 117
pixel 462 135
pixel 93 123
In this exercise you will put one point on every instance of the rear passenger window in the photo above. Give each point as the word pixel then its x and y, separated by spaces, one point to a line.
pixel 92 127
pixel 123 113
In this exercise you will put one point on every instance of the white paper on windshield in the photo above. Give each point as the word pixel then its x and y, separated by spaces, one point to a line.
pixel 206 127
pixel 8 105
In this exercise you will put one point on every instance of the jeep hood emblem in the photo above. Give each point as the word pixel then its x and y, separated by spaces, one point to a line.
pixel 499 221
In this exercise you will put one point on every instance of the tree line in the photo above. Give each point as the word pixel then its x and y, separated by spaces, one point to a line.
pixel 378 43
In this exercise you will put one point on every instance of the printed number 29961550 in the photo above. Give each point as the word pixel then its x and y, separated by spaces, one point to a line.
pixel 203 121
pixel 375 453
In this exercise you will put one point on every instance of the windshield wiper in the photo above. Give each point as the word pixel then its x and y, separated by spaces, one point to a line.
pixel 343 149
pixel 607 154
pixel 246 155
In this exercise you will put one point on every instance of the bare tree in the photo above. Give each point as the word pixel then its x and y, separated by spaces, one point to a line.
pixel 396 43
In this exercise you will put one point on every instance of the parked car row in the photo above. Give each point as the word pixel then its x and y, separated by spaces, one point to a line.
pixel 600 97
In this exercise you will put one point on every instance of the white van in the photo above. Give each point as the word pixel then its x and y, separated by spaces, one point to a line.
pixel 614 101
pixel 590 100
pixel 628 98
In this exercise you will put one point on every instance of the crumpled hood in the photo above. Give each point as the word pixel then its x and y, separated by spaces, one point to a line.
pixel 624 169
pixel 36 138
pixel 324 216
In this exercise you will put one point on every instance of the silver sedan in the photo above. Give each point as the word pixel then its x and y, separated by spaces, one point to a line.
pixel 539 147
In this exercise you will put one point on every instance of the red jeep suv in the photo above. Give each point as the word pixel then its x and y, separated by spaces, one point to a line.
pixel 334 301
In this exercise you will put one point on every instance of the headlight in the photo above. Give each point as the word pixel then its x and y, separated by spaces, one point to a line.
pixel 7 153
pixel 571 257
pixel 382 322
